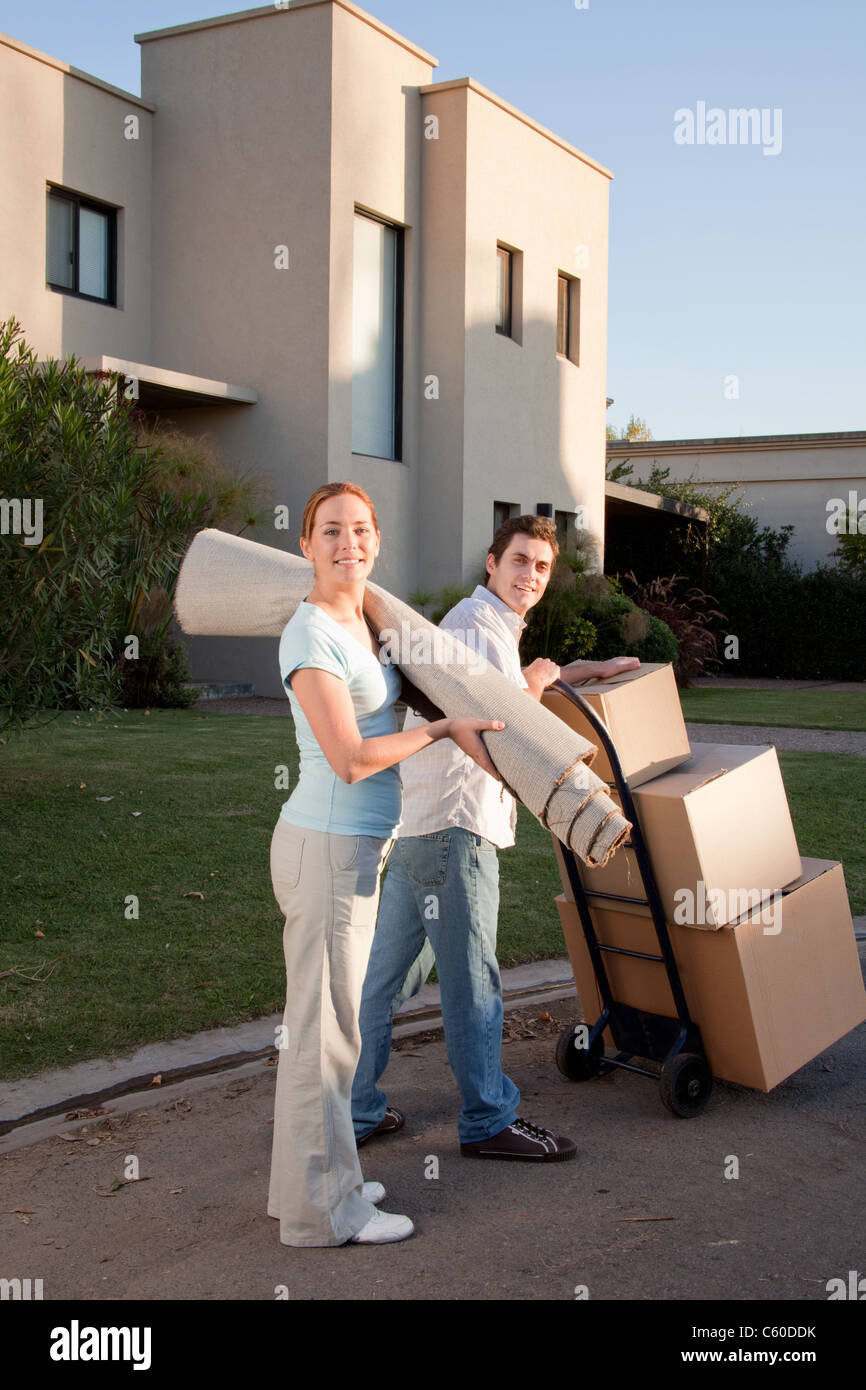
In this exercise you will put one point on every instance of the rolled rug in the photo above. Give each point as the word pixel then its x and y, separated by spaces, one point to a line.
pixel 232 587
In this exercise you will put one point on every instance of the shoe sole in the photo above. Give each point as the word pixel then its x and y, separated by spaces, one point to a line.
pixel 519 1158
pixel 388 1240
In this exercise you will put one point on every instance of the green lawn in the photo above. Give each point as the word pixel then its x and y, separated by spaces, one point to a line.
pixel 796 709
pixel 192 809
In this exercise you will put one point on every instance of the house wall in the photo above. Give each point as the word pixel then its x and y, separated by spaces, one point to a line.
pixel 68 130
pixel 784 480
pixel 375 166
pixel 242 167
pixel 534 422
pixel 442 368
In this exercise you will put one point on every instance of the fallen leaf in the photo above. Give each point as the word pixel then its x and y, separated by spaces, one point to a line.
pixel 40 933
pixel 137 813
pixel 105 798
pixel 157 1080
pixel 194 895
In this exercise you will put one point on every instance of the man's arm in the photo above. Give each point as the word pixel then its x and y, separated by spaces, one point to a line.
pixel 600 670
pixel 543 673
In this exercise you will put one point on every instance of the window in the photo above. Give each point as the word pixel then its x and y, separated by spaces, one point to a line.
pixel 502 512
pixel 568 317
pixel 81 246
pixel 377 347
pixel 504 286
pixel 562 324
pixel 565 530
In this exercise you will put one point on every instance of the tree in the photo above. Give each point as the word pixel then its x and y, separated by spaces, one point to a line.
pixel 635 430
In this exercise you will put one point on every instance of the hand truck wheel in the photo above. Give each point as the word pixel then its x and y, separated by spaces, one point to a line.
pixel 685 1084
pixel 575 1062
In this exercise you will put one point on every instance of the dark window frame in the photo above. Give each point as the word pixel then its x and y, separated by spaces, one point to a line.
pixel 563 299
pixel 399 302
pixel 79 201
pixel 505 328
pixel 572 317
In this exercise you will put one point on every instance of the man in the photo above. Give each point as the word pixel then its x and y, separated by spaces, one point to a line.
pixel 443 879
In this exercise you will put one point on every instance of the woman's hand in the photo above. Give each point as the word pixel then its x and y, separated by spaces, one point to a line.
pixel 466 733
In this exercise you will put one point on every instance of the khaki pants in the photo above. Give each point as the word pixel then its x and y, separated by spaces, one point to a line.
pixel 328 888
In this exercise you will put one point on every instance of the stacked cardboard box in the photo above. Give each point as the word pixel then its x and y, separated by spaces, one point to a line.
pixel 763 939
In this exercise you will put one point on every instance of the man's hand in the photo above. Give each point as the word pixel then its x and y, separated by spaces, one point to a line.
pixel 599 670
pixel 540 675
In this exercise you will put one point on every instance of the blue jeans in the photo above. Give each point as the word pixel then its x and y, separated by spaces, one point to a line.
pixel 442 887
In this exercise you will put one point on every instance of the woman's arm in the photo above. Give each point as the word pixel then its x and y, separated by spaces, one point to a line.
pixel 327 704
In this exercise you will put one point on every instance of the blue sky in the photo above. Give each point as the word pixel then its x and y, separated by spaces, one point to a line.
pixel 725 262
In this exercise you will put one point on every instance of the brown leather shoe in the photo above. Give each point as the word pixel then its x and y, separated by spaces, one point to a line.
pixel 523 1141
pixel 390 1122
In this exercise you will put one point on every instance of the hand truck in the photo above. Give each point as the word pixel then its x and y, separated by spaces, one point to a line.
pixel 684 1077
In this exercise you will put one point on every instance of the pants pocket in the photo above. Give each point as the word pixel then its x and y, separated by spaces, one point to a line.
pixel 287 852
pixel 344 851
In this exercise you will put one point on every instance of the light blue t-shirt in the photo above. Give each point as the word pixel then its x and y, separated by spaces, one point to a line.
pixel 321 800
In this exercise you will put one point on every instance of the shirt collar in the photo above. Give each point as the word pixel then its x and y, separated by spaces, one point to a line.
pixel 484 595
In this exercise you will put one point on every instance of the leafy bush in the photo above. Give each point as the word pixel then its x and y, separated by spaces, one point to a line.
pixel 689 618
pixel 117 514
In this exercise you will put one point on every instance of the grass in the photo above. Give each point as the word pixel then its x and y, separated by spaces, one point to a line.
pixel 193 804
pixel 795 709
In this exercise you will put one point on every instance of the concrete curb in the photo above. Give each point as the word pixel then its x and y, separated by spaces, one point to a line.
pixel 38 1105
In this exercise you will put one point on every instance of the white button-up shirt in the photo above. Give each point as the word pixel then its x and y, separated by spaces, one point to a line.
pixel 443 787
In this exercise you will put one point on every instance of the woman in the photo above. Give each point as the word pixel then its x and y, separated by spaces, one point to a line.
pixel 329 846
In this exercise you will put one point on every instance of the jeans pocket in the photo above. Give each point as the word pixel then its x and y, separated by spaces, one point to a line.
pixel 425 858
pixel 344 851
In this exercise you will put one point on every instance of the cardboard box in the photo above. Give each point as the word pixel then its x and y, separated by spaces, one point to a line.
pixel 719 835
pixel 768 995
pixel 641 710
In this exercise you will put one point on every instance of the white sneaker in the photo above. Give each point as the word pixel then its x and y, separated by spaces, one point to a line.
pixel 382 1228
pixel 374 1192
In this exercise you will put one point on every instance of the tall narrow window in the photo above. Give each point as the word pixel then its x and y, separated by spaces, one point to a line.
pixel 568 317
pixel 81 245
pixel 376 338
pixel 504 286
pixel 562 324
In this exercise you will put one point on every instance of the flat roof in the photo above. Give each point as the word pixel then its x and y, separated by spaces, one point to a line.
pixel 737 443
pixel 278 9
pixel 518 115
pixel 70 71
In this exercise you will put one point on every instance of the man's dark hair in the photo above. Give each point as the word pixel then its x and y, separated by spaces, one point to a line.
pixel 538 528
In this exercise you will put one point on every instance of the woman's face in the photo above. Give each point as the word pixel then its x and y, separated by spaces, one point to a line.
pixel 343 542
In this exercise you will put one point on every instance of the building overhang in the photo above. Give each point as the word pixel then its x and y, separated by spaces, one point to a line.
pixel 160 389
pixel 633 501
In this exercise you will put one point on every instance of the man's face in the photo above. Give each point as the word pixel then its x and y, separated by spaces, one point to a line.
pixel 521 576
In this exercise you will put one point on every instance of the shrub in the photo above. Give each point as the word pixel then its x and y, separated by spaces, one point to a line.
pixel 118 512
pixel 689 618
